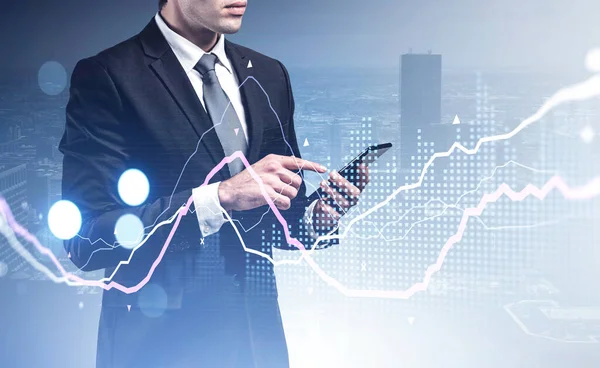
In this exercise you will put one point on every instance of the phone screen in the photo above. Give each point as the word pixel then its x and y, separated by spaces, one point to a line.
pixel 367 157
pixel 350 170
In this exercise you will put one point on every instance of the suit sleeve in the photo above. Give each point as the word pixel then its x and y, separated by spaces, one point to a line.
pixel 96 152
pixel 295 216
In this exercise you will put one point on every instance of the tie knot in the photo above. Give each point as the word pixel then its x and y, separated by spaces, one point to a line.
pixel 206 63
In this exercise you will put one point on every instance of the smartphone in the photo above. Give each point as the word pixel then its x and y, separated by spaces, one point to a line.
pixel 349 171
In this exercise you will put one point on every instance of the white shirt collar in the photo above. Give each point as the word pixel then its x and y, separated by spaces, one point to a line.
pixel 187 52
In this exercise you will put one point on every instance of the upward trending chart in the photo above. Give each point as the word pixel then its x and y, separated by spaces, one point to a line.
pixel 587 89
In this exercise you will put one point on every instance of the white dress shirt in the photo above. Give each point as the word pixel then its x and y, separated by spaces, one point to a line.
pixel 206 198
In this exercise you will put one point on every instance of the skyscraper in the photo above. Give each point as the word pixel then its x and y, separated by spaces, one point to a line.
pixel 420 100
pixel 13 189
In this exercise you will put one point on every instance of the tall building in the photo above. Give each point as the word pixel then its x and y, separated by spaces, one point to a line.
pixel 13 189
pixel 420 100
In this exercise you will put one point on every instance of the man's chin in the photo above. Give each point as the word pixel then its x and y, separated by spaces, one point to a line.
pixel 230 28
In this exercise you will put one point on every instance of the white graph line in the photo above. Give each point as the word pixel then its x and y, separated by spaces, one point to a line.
pixel 584 90
pixel 446 206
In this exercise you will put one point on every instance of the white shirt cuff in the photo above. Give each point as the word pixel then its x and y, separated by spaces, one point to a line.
pixel 309 221
pixel 208 208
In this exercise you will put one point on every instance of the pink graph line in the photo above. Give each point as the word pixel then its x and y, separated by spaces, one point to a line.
pixel 588 191
pixel 19 229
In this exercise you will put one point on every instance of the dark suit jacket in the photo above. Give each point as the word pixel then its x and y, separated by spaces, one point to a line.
pixel 132 106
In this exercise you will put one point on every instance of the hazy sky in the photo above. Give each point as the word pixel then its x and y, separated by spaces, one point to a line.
pixel 547 34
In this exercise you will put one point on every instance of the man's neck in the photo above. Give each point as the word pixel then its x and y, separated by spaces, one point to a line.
pixel 203 37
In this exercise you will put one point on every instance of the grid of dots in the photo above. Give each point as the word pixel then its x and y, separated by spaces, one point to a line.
pixel 392 247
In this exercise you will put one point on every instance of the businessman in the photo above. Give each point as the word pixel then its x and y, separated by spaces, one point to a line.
pixel 174 101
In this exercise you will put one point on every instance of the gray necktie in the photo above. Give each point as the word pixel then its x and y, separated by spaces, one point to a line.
pixel 221 112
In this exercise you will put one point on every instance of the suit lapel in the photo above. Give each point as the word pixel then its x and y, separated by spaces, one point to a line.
pixel 253 98
pixel 167 68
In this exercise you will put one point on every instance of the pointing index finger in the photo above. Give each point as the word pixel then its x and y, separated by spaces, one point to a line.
pixel 293 163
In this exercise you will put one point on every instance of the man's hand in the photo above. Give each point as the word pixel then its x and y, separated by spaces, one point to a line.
pixel 340 192
pixel 242 192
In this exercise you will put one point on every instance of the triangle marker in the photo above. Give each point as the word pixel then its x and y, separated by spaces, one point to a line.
pixel 456 120
pixel 69 255
pixel 306 142
pixel 249 64
pixel 128 307
pixel 236 130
